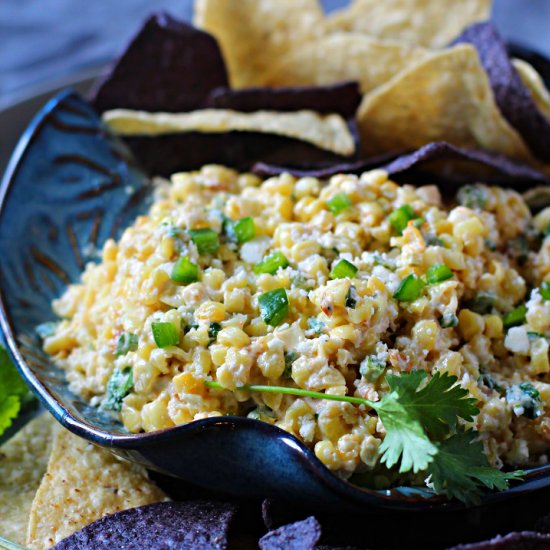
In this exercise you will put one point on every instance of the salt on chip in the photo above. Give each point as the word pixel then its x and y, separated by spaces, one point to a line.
pixel 535 84
pixel 252 33
pixel 447 97
pixel 429 23
pixel 328 132
pixel 343 56
pixel 23 462
pixel 82 484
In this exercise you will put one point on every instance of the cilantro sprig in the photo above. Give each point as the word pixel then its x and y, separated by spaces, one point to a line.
pixel 14 393
pixel 421 419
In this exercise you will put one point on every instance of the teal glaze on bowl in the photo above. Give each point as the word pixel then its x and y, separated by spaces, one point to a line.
pixel 69 187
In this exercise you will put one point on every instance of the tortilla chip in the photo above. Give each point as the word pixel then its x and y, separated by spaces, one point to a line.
pixel 303 535
pixel 454 165
pixel 328 132
pixel 84 483
pixel 430 23
pixel 343 56
pixel 511 96
pixel 447 97
pixel 535 84
pixel 252 33
pixel 342 98
pixel 519 540
pixel 168 66
pixel 23 462
pixel 191 524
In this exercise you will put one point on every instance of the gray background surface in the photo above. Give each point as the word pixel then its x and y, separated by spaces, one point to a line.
pixel 41 40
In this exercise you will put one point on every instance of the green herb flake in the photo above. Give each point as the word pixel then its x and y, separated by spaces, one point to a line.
pixel 525 400
pixel 351 297
pixel 206 240
pixel 448 320
pixel 185 271
pixel 316 325
pixel 339 203
pixel 165 334
pixel 483 303
pixel 274 306
pixel 399 219
pixel 343 269
pixel 410 289
pixel 545 290
pixel 126 342
pixel 372 368
pixel 213 330
pixel 118 387
pixel 515 317
pixel 290 357
pixel 473 196
pixel 271 264
pixel 438 273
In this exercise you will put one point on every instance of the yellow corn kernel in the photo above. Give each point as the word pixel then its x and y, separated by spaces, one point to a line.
pixel 345 332
pixel 213 277
pixel 539 356
pixel 375 285
pixel 167 247
pixel 374 177
pixel 248 180
pixel 470 324
pixel 493 326
pixel 218 353
pixel 154 415
pixel 235 300
pixel 326 453
pixel 283 185
pixel 131 412
pixel 257 327
pixel 144 350
pixel 272 363
pixel 453 259
pixel 305 249
pixel 213 312
pixel 469 229
pixel 110 251
pixel 187 383
pixel 425 333
pixel 369 451
pixel 305 187
pixel 233 336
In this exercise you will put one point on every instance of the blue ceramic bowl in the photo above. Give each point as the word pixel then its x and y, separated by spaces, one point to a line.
pixel 70 186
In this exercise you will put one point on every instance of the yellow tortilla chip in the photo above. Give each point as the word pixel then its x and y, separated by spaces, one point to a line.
pixel 252 33
pixel 344 56
pixel 430 23
pixel 444 98
pixel 82 484
pixel 23 461
pixel 534 83
pixel 329 132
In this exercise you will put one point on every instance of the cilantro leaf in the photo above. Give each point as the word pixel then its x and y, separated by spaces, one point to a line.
pixel 409 414
pixel 118 387
pixel 13 391
pixel 460 469
pixel 438 405
pixel 405 438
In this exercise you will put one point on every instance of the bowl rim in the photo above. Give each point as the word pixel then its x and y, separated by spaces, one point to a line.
pixel 392 499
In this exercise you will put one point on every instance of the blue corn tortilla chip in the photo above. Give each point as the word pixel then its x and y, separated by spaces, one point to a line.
pixel 511 95
pixel 521 540
pixel 342 98
pixel 302 535
pixel 168 66
pixel 191 524
pixel 470 164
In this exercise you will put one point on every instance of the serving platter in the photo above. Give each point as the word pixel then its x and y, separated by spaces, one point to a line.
pixel 69 186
